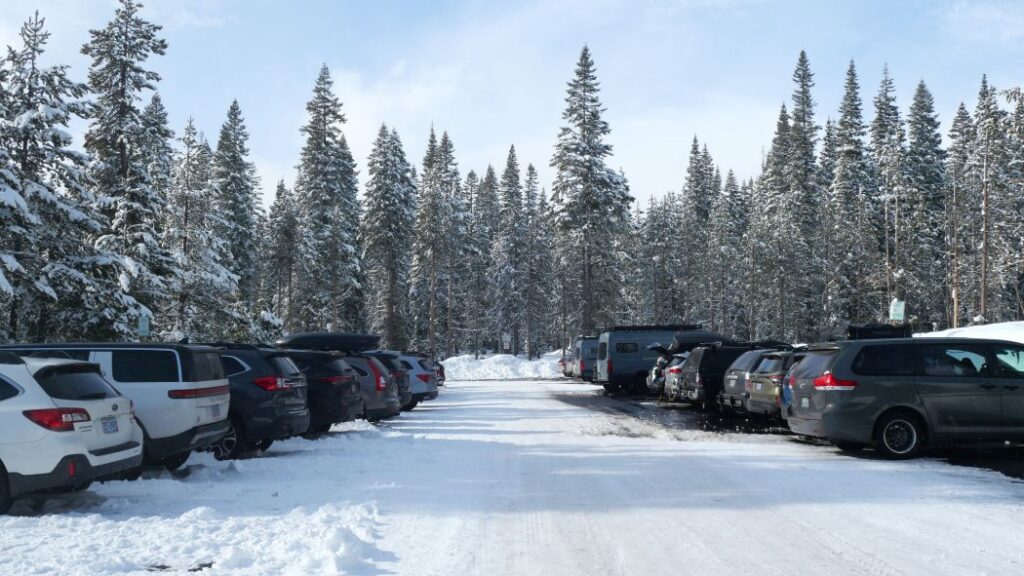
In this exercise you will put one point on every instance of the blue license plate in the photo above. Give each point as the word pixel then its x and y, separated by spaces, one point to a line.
pixel 109 424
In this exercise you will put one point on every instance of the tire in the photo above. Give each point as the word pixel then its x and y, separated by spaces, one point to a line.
pixel 132 475
pixel 232 444
pixel 410 405
pixel 849 447
pixel 172 463
pixel 899 435
pixel 264 445
pixel 5 492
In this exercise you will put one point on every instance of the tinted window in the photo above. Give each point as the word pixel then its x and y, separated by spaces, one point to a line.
pixel 231 365
pixel 406 365
pixel 745 361
pixel 626 347
pixel 283 366
pixel 591 353
pixel 602 351
pixel 7 391
pixel 771 365
pixel 359 365
pixel 1009 361
pixel 959 360
pixel 76 386
pixel 207 366
pixel 144 366
pixel 425 364
pixel 68 354
pixel 814 364
pixel 887 360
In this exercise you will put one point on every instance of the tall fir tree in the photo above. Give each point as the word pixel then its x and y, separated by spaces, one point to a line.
pixel 960 217
pixel 282 257
pixel 507 262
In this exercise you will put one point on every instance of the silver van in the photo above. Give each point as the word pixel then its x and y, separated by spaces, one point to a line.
pixel 901 395
pixel 584 355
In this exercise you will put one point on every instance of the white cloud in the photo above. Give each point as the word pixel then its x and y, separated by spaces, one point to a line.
pixel 985 22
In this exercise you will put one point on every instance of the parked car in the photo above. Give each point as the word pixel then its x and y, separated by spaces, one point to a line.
pixel 623 357
pixel 378 389
pixel 180 393
pixel 584 354
pixel 702 376
pixel 734 382
pixel 398 374
pixel 268 399
pixel 901 395
pixel 422 379
pixel 765 383
pixel 333 388
pixel 62 426
pixel 673 375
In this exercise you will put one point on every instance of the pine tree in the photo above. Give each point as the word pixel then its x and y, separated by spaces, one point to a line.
pixel 282 256
pixel 157 152
pixel 115 138
pixel 387 237
pixel 484 209
pixel 726 226
pixel 591 202
pixel 507 262
pixel 326 189
pixel 960 218
pixel 890 222
pixel 925 177
pixel 456 250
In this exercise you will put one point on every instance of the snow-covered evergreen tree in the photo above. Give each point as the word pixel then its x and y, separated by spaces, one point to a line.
pixel 387 232
pixel 591 202
pixel 326 190
pixel 507 271
pixel 960 215
pixel 281 256
pixel 892 204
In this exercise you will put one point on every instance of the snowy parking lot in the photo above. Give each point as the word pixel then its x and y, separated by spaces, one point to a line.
pixel 523 477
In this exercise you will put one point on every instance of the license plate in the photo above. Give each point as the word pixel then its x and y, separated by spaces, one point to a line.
pixel 805 402
pixel 109 425
pixel 758 386
pixel 216 410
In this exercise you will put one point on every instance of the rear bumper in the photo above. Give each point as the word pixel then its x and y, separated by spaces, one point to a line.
pixel 157 449
pixel 733 401
pixel 279 428
pixel 61 475
pixel 425 396
pixel 333 406
pixel 392 407
pixel 766 407
pixel 806 426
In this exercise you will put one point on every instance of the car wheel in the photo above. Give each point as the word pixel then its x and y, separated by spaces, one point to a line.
pixel 264 445
pixel 5 492
pixel 174 462
pixel 410 406
pixel 851 447
pixel 231 445
pixel 899 435
pixel 133 474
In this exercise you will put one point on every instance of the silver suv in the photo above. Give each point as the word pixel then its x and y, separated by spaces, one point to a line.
pixel 900 395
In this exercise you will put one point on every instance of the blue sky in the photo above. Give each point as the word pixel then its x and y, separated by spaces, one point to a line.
pixel 493 73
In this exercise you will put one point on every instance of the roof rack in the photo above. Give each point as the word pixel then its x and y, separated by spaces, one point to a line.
pixel 232 345
pixel 871 331
pixel 652 327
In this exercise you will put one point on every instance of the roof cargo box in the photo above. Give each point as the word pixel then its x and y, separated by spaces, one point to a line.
pixel 870 331
pixel 340 341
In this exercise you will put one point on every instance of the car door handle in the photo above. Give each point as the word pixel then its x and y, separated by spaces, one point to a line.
pixel 1011 387
pixel 988 386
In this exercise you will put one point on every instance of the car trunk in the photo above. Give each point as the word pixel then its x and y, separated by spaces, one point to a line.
pixel 81 386
pixel 809 402
pixel 293 395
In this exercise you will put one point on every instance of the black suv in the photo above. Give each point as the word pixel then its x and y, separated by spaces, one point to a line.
pixel 334 394
pixel 703 373
pixel 268 399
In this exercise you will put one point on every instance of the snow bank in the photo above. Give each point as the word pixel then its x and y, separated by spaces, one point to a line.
pixel 501 366
pixel 1012 331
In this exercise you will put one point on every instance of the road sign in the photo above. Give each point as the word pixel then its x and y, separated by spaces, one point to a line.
pixel 143 325
pixel 896 310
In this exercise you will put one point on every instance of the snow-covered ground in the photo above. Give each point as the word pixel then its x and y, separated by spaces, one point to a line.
pixel 502 367
pixel 515 477
pixel 1012 331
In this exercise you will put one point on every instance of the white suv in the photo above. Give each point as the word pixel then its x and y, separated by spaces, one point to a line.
pixel 61 427
pixel 180 392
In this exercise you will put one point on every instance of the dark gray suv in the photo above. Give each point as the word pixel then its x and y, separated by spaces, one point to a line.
pixel 900 395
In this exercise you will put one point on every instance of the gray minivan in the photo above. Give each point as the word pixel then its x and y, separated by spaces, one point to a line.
pixel 900 395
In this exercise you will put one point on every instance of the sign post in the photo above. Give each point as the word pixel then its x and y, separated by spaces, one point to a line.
pixel 897 308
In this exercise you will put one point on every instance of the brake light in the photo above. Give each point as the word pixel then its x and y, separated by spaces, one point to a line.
pixel 675 370
pixel 425 378
pixel 829 382
pixel 378 378
pixel 609 366
pixel 58 419
pixel 792 380
pixel 198 392
pixel 270 383
pixel 777 378
pixel 581 366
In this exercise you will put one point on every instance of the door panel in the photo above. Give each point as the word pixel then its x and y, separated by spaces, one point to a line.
pixel 1008 363
pixel 960 393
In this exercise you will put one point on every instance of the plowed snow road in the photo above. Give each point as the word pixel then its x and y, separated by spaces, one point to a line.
pixel 500 478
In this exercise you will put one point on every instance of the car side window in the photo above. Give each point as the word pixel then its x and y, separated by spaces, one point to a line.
pixel 144 366
pixel 231 365
pixel 957 360
pixel 1009 361
pixel 7 391
pixel 626 347
pixel 890 360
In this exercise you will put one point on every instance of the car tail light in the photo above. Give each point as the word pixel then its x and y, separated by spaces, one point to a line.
pixel 829 382
pixel 581 366
pixel 378 378
pixel 270 383
pixel 777 378
pixel 335 379
pixel 609 366
pixel 425 378
pixel 72 469
pixel 675 370
pixel 198 392
pixel 792 380
pixel 58 419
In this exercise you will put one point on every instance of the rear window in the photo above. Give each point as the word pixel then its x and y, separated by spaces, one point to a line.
pixel 406 365
pixel 206 366
pixel 887 360
pixel 232 366
pixel 144 366
pixel 745 361
pixel 425 364
pixel 338 365
pixel 7 391
pixel 76 385
pixel 771 365
pixel 815 364
pixel 602 351
pixel 359 365
pixel 626 347
pixel 283 366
